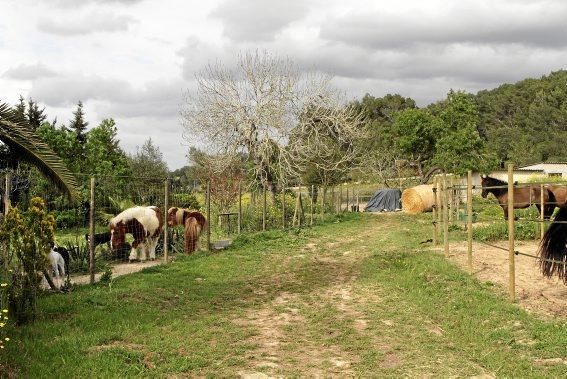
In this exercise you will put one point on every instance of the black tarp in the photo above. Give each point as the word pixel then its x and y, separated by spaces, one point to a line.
pixel 387 199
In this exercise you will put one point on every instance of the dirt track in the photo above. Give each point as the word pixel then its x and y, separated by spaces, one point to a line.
pixel 533 292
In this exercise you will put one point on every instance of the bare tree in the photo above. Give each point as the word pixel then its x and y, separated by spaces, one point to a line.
pixel 252 109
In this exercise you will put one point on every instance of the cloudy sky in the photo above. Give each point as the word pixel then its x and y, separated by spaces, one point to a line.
pixel 132 60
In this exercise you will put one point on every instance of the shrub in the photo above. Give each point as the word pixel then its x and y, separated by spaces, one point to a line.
pixel 27 239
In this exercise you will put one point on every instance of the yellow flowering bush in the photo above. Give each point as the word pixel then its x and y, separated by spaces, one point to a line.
pixel 25 240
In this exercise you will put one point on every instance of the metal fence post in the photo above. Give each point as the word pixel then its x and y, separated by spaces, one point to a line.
pixel 445 217
pixel 435 210
pixel 239 208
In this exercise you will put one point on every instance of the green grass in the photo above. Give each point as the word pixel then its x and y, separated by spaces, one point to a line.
pixel 310 291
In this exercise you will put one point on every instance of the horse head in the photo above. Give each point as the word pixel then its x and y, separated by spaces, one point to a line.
pixel 484 181
pixel 172 216
pixel 117 235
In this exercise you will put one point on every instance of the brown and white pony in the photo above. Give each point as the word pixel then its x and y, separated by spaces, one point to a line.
pixel 144 223
pixel 193 221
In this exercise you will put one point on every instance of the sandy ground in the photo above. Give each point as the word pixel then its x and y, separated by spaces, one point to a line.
pixel 533 292
pixel 117 270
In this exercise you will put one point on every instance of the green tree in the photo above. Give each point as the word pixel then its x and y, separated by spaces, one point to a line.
pixel 78 124
pixel 35 115
pixel 148 160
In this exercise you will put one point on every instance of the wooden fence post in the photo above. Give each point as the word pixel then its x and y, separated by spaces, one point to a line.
pixel 469 219
pixel 92 232
pixel 347 200
pixel 7 190
pixel 358 199
pixel 239 226
pixel 445 217
pixel 264 210
pixel 324 194
pixel 312 204
pixel 439 202
pixel 511 252
pixel 542 213
pixel 209 216
pixel 283 207
pixel 165 226
pixel 450 201
pixel 435 210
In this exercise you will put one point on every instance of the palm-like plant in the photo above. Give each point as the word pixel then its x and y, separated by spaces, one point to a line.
pixel 25 145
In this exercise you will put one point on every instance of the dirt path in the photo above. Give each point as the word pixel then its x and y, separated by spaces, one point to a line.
pixel 534 292
pixel 117 270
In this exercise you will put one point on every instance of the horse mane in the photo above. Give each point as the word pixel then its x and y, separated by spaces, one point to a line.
pixel 495 182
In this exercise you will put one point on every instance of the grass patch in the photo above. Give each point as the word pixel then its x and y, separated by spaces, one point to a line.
pixel 362 290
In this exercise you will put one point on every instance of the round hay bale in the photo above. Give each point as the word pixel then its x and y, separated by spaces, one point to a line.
pixel 418 199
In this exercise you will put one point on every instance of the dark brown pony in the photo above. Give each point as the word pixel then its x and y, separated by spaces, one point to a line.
pixel 553 247
pixel 560 194
pixel 523 196
pixel 193 221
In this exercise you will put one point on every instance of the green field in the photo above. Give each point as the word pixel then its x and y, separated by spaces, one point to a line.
pixel 358 297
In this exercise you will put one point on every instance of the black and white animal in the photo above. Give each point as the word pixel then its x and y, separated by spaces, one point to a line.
pixel 59 265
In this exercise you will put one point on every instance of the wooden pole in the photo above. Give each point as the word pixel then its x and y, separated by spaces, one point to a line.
pixel 469 219
pixel 435 210
pixel 239 226
pixel 347 200
pixel 511 252
pixel 312 204
pixel 445 217
pixel 209 216
pixel 323 196
pixel 264 210
pixel 439 202
pixel 7 190
pixel 92 232
pixel 341 198
pixel 283 207
pixel 450 201
pixel 358 199
pixel 165 226
pixel 542 213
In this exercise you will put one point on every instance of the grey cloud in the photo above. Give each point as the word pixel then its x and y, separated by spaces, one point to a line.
pixel 29 72
pixel 258 20
pixel 75 3
pixel 91 23
pixel 533 24
pixel 113 98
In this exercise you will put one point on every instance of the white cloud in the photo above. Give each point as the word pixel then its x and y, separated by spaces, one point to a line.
pixel 87 24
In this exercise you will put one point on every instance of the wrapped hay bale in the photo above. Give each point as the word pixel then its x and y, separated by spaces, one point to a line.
pixel 418 199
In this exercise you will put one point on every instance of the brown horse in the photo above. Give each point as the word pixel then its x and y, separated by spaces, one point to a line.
pixel 560 194
pixel 523 196
pixel 193 221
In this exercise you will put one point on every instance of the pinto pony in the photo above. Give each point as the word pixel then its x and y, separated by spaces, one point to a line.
pixel 144 223
pixel 523 197
pixel 553 247
pixel 193 221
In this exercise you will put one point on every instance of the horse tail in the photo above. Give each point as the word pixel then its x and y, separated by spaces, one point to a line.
pixel 192 232
pixel 553 247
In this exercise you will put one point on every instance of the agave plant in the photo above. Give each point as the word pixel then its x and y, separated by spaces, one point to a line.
pixel 25 145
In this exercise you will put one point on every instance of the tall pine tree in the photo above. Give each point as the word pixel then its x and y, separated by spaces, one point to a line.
pixel 35 115
pixel 78 124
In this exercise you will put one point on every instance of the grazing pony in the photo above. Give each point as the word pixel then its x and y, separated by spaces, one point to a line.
pixel 193 221
pixel 553 247
pixel 145 225
pixel 523 197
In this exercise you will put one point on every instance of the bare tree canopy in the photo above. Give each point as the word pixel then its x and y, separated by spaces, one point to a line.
pixel 254 108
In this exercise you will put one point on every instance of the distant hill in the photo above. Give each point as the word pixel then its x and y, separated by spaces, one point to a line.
pixel 526 122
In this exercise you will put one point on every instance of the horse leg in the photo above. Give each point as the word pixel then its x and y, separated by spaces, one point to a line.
pixel 133 253
pixel 143 256
pixel 153 244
